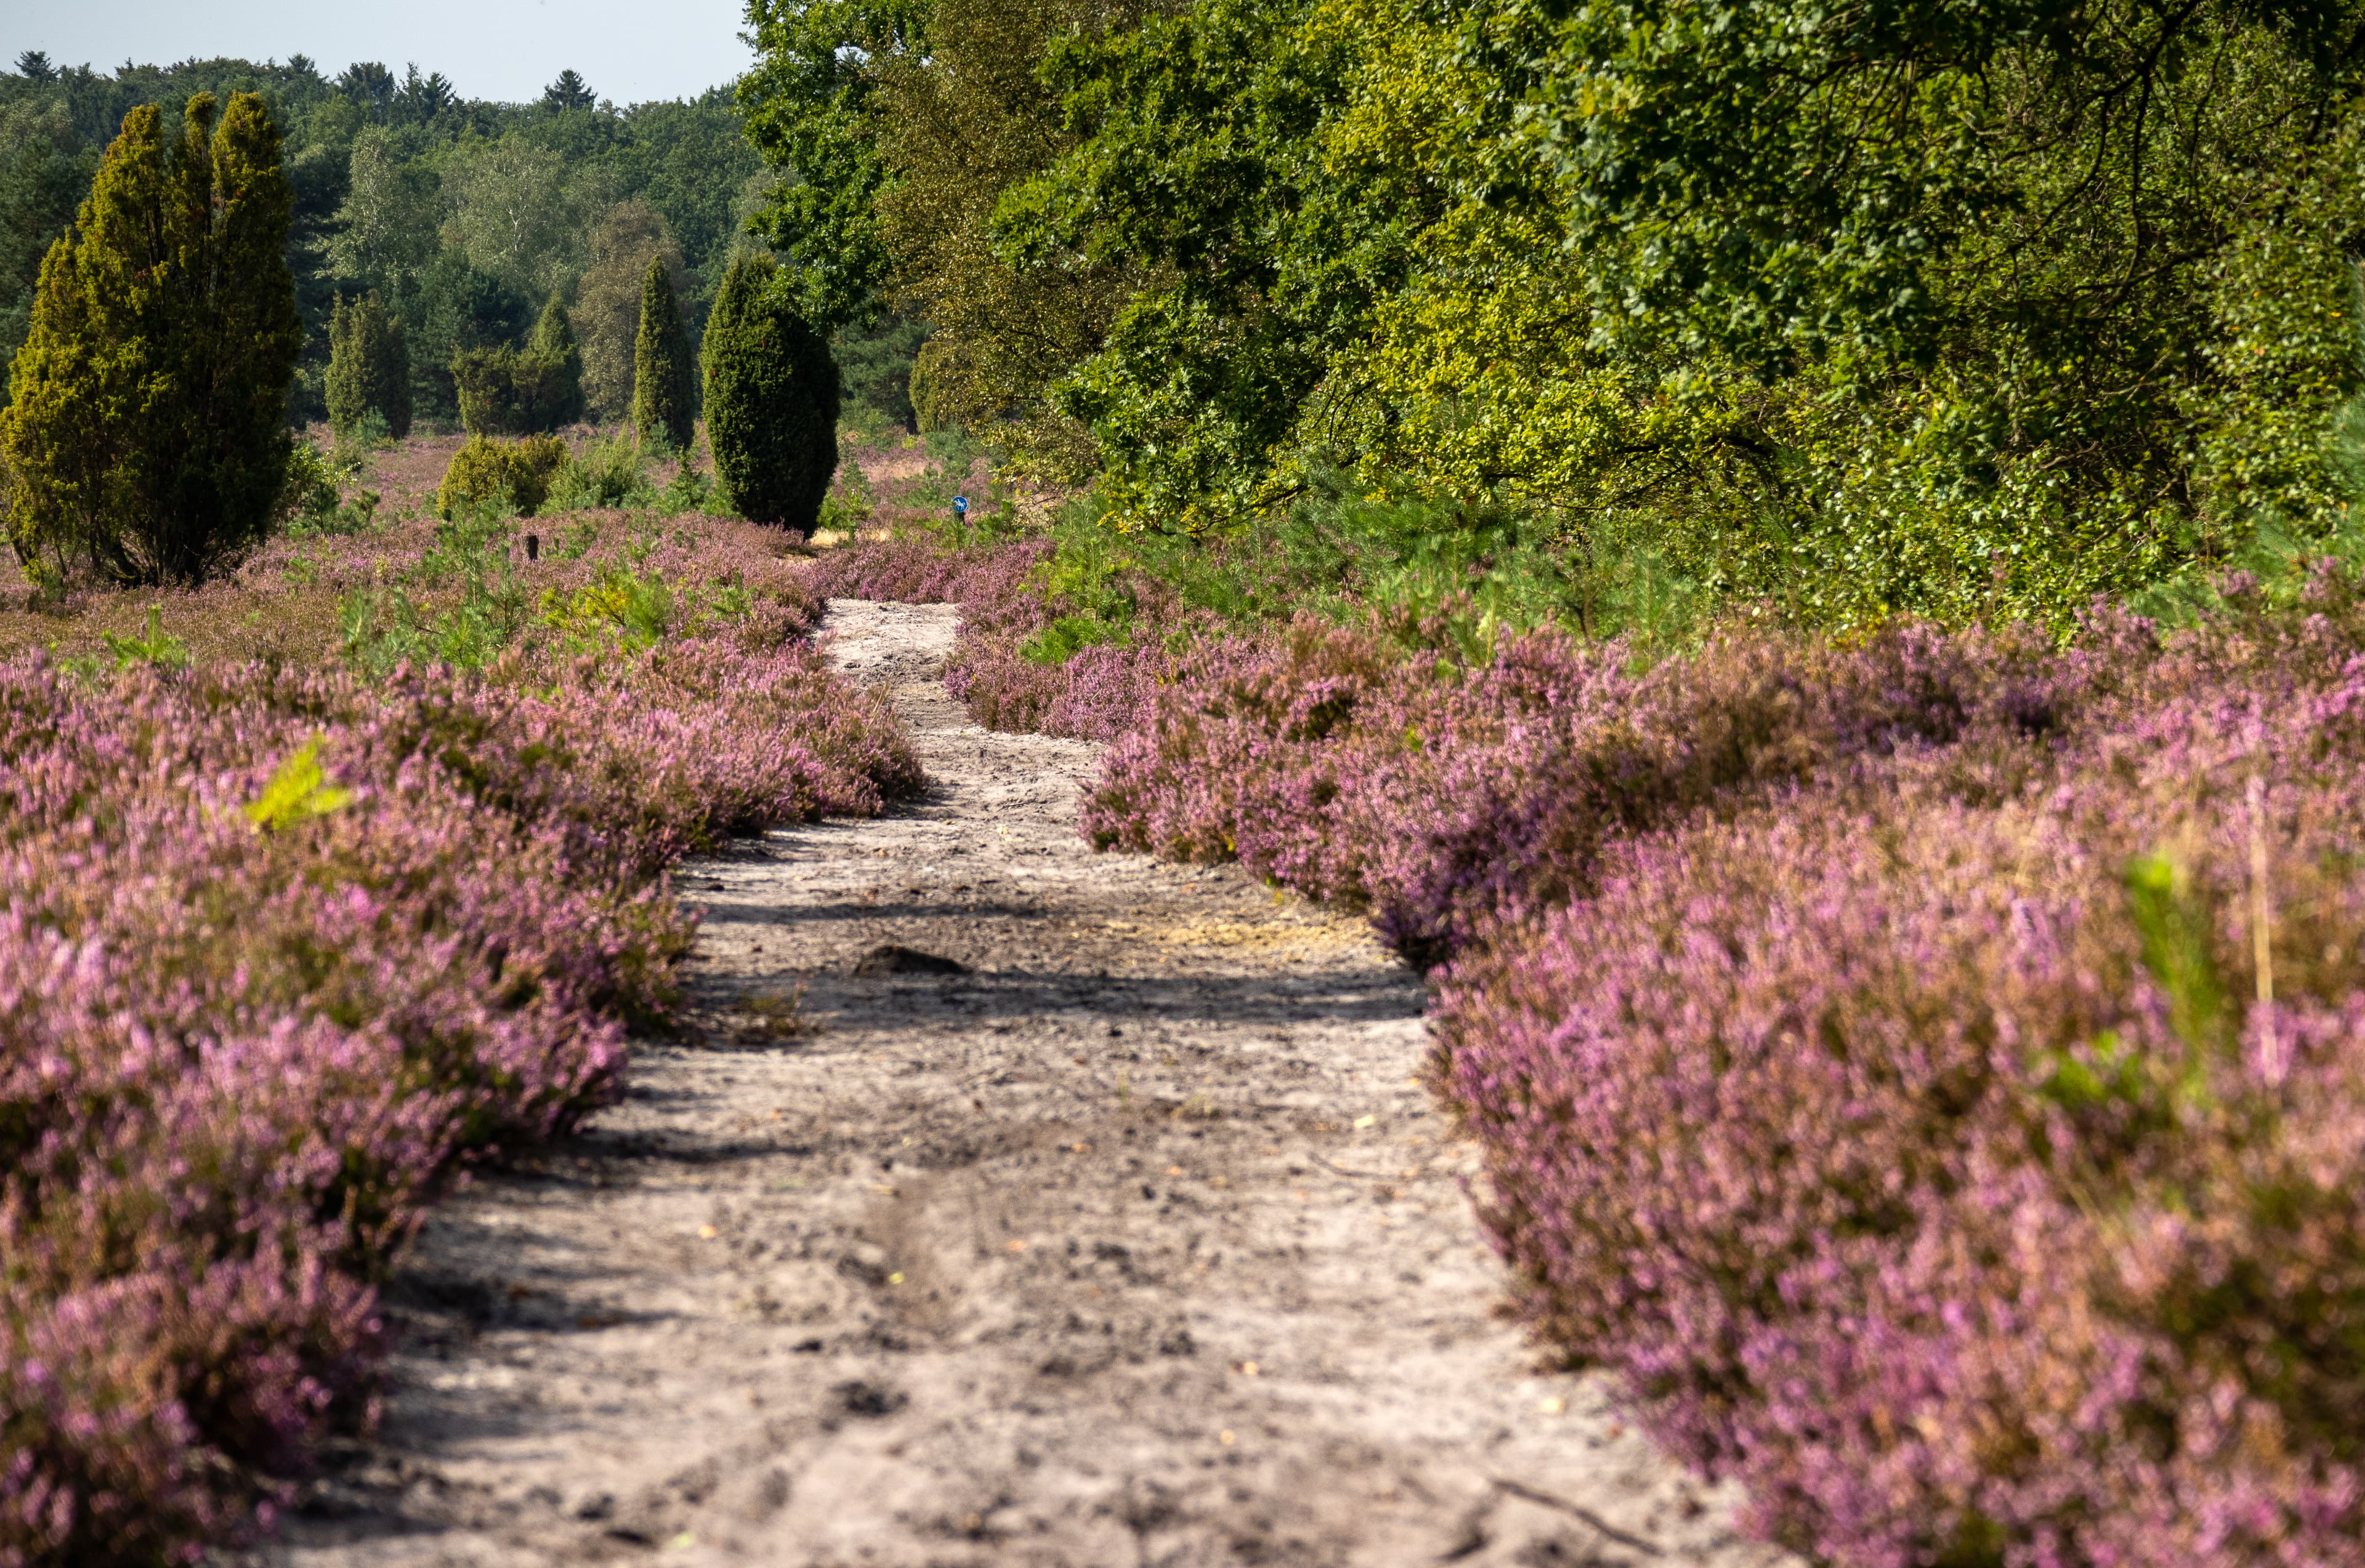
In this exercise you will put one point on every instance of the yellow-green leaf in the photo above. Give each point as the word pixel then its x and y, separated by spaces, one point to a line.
pixel 298 791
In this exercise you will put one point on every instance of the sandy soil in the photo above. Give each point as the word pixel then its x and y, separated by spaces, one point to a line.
pixel 1132 1242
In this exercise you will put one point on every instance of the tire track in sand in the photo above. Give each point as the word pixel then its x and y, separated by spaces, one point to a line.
pixel 1133 1244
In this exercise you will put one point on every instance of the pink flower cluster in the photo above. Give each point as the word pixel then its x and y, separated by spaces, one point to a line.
pixel 1447 796
pixel 237 1055
pixel 1870 1045
pixel 1923 1147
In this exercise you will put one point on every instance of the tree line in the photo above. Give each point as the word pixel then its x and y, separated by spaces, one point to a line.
pixel 1954 307
pixel 467 218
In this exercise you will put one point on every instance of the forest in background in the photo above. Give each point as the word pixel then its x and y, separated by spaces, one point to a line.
pixel 465 215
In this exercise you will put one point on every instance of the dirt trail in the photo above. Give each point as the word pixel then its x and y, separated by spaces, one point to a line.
pixel 1133 1244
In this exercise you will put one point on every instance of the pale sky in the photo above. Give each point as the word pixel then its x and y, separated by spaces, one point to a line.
pixel 629 50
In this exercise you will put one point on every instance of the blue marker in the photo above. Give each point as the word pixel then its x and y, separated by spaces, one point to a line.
pixel 960 509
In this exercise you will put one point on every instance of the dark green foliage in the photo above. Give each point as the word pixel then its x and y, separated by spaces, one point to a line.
pixel 569 92
pixel 146 432
pixel 369 85
pixel 661 393
pixel 424 97
pixel 318 177
pixel 809 103
pixel 486 383
pixel 874 371
pixel 506 391
pixel 369 367
pixel 556 390
pixel 771 399
pixel 457 309
pixel 45 168
pixel 370 153
pixel 691 162
pixel 1962 308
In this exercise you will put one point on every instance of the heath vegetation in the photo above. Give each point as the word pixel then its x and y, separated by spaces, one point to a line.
pixel 1802 563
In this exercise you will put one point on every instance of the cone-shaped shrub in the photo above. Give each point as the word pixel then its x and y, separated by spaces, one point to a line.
pixel 146 426
pixel 661 388
pixel 771 400
pixel 369 366
pixel 550 377
pixel 485 381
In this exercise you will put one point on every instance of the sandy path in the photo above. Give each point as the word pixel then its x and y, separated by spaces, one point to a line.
pixel 1134 1244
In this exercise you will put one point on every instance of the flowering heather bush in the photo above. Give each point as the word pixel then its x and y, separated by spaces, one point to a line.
pixel 1446 795
pixel 278 946
pixel 1926 1155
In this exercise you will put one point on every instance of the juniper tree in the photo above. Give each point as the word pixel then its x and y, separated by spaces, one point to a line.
pixel 771 399
pixel 369 367
pixel 146 430
pixel 506 391
pixel 484 380
pixel 555 367
pixel 661 386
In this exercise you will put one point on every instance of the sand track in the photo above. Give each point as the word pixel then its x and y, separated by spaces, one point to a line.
pixel 1132 1245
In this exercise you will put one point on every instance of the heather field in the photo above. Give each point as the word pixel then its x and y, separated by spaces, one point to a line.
pixel 1920 1064
pixel 1356 782
pixel 1914 1065
pixel 319 884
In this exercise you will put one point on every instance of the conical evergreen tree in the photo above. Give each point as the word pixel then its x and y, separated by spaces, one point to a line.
pixel 485 383
pixel 661 393
pixel 369 367
pixel 506 391
pixel 771 399
pixel 146 430
pixel 344 388
pixel 555 366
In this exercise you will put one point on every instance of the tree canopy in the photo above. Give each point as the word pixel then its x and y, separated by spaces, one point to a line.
pixel 1957 306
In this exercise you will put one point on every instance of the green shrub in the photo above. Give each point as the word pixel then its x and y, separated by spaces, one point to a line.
pixel 506 391
pixel 690 491
pixel 555 366
pixel 485 382
pixel 771 400
pixel 369 369
pixel 489 472
pixel 154 646
pixel 310 484
pixel 661 385
pixel 621 608
pixel 604 474
pixel 146 431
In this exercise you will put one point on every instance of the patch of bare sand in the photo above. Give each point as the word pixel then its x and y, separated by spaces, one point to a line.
pixel 883 465
pixel 1133 1243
